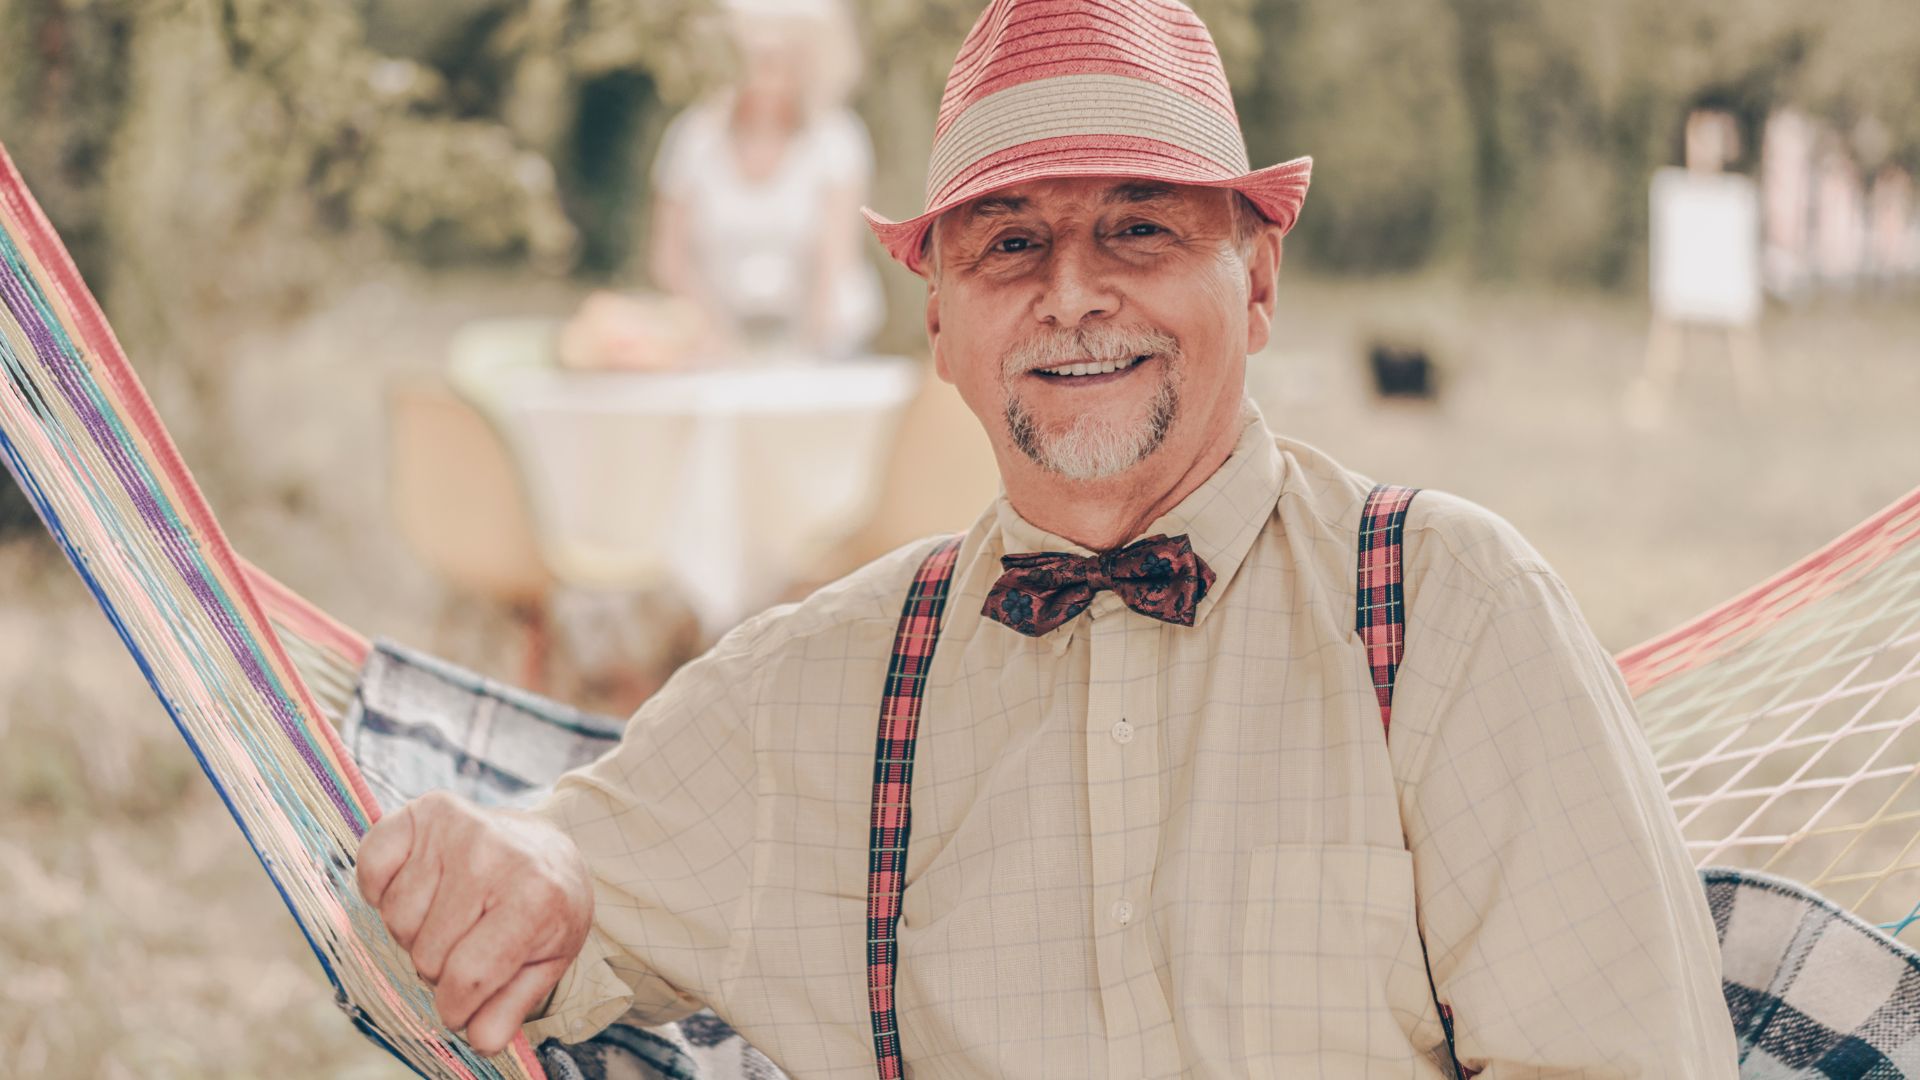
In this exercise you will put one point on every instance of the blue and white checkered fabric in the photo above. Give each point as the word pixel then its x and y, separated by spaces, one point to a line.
pixel 419 724
pixel 1815 993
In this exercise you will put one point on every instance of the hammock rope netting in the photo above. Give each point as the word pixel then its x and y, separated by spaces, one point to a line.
pixel 1786 723
pixel 1783 723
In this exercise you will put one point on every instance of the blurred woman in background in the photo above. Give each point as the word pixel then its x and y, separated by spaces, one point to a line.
pixel 756 189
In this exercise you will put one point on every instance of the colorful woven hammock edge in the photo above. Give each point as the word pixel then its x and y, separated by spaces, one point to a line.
pixel 85 444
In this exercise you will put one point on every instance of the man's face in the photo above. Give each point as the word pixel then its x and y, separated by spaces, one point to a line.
pixel 1098 327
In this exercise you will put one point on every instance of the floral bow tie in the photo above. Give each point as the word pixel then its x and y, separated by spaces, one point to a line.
pixel 1159 576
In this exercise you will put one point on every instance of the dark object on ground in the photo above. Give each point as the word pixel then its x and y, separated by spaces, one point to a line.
pixel 1402 371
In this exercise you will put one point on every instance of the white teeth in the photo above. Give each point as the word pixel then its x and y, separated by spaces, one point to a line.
pixel 1104 368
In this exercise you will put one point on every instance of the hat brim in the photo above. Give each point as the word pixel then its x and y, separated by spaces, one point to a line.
pixel 1277 191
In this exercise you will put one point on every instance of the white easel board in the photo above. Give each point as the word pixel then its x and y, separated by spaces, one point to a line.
pixel 1705 252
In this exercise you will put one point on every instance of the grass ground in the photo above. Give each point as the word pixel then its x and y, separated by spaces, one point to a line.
pixel 139 939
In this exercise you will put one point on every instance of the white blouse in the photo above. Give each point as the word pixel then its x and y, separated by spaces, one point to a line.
pixel 756 243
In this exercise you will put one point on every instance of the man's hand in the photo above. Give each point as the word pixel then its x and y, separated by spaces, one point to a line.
pixel 492 905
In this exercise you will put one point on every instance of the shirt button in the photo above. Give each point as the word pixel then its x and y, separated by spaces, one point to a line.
pixel 1123 911
pixel 1123 733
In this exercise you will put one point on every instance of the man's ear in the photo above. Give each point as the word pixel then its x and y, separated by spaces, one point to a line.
pixel 1263 281
pixel 940 366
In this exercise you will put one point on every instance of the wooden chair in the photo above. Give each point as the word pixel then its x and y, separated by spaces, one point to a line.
pixel 462 506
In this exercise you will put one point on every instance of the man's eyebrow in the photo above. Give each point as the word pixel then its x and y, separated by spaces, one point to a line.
pixel 995 206
pixel 1137 192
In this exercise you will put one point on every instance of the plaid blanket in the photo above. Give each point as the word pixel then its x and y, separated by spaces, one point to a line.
pixel 1815 993
pixel 418 724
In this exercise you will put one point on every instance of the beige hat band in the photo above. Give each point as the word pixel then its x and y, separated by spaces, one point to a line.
pixel 1071 105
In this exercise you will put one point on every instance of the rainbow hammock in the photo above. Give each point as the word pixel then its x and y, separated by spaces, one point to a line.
pixel 84 443
pixel 1786 723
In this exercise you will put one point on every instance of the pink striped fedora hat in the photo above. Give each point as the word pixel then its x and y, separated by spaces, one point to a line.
pixel 1056 88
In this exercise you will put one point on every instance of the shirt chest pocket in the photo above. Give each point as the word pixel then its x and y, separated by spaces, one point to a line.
pixel 1334 981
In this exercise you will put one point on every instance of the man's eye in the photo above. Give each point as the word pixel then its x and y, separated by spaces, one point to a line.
pixel 1012 245
pixel 1144 229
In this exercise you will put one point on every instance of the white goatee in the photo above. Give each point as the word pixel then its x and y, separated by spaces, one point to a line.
pixel 1094 446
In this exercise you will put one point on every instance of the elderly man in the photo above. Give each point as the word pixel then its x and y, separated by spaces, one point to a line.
pixel 1134 807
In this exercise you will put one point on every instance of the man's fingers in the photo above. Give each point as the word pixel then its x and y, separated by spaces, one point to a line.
pixel 409 897
pixel 499 1020
pixel 383 851
pixel 491 906
pixel 483 961
pixel 452 917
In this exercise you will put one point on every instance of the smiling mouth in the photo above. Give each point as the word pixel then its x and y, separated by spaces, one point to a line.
pixel 1081 371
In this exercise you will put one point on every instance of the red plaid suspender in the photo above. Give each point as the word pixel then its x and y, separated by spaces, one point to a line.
pixel 913 645
pixel 1379 606
pixel 1380 615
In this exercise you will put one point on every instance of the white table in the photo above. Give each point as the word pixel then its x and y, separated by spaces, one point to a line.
pixel 729 482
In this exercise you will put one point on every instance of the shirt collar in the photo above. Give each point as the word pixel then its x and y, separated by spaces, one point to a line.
pixel 1220 518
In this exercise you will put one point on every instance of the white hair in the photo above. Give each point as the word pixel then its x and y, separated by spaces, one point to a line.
pixel 823 30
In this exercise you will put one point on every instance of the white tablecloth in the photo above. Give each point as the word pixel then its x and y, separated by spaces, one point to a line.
pixel 730 482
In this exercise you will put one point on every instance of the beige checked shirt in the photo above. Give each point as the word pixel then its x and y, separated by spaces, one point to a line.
pixel 1142 850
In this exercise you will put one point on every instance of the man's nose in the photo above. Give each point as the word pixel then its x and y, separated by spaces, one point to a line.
pixel 1078 287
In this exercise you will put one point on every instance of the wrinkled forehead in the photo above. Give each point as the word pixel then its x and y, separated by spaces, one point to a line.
pixel 1042 201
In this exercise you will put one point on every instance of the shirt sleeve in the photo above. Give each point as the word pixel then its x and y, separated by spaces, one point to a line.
pixel 1565 925
pixel 666 820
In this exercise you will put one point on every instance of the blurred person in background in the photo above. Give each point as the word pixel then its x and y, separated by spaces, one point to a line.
pixel 1890 225
pixel 755 192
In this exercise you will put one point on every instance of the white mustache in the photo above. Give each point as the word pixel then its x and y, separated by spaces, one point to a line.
pixel 1098 344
